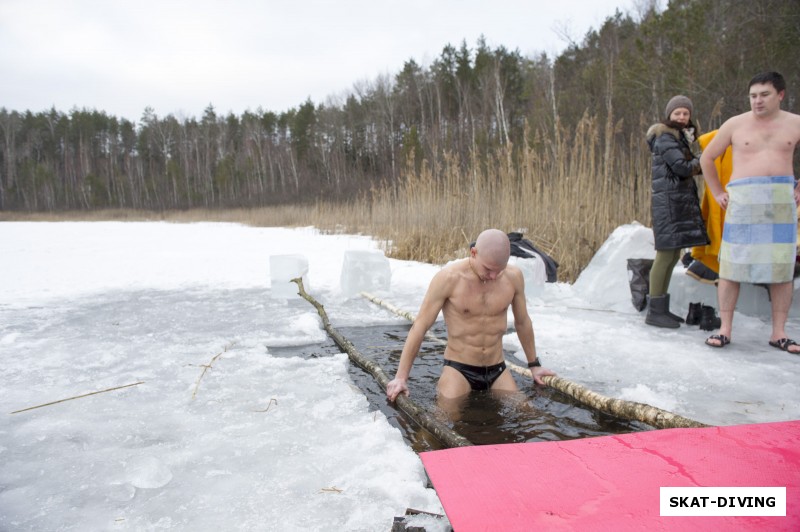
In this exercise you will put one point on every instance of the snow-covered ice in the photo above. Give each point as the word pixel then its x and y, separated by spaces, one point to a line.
pixel 263 442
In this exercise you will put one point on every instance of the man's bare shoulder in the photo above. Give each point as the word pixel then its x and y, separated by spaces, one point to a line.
pixel 514 274
pixel 727 131
pixel 738 121
pixel 513 271
pixel 792 119
pixel 455 267
pixel 450 274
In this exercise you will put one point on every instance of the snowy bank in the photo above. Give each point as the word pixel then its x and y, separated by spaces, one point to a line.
pixel 262 441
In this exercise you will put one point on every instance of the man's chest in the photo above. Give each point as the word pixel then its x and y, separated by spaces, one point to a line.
pixel 762 139
pixel 481 299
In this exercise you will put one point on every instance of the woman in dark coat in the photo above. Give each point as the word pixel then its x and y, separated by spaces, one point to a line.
pixel 677 221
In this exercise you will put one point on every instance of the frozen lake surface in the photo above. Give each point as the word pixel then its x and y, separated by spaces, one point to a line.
pixel 261 440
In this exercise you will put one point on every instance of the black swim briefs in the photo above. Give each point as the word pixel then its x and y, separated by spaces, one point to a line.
pixel 479 377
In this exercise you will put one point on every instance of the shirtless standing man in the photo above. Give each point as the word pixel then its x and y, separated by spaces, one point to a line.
pixel 759 239
pixel 474 295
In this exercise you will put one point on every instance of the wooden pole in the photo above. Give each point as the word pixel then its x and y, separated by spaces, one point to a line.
pixel 445 434
pixel 620 408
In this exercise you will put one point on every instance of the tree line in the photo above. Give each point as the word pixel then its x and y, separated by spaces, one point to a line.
pixel 471 105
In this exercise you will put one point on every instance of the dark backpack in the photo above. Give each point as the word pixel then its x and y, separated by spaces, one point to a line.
pixel 639 280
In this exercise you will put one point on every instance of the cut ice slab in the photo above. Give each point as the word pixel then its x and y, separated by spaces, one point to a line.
pixel 364 270
pixel 534 273
pixel 284 268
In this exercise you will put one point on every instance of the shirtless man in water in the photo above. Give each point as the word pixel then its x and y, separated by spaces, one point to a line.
pixel 761 206
pixel 474 295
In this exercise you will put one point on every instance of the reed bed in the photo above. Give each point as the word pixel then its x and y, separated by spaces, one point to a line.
pixel 565 192
pixel 565 196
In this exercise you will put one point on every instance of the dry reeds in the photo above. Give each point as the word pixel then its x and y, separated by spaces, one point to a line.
pixel 77 397
pixel 563 197
pixel 208 366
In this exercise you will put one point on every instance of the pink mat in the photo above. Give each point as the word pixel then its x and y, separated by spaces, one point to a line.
pixel 612 482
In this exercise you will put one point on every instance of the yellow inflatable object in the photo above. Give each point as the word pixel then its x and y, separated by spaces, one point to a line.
pixel 713 214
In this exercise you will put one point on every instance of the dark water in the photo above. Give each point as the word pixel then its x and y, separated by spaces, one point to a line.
pixel 537 414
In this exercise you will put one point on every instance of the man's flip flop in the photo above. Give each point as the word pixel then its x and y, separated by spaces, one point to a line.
pixel 721 338
pixel 784 344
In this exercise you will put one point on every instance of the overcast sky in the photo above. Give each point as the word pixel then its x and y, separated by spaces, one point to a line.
pixel 180 56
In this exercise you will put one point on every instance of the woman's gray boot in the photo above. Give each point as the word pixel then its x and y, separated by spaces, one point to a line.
pixel 658 313
pixel 671 315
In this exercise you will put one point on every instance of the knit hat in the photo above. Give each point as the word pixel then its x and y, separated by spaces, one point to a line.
pixel 679 101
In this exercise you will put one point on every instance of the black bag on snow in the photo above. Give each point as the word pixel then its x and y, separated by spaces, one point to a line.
pixel 639 279
pixel 522 247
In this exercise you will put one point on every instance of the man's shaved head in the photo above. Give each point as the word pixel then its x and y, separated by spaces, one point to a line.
pixel 494 246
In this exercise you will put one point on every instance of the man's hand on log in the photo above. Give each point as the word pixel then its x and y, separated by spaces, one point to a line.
pixel 395 388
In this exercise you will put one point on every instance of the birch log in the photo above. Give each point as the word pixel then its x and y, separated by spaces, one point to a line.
pixel 620 408
pixel 422 417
